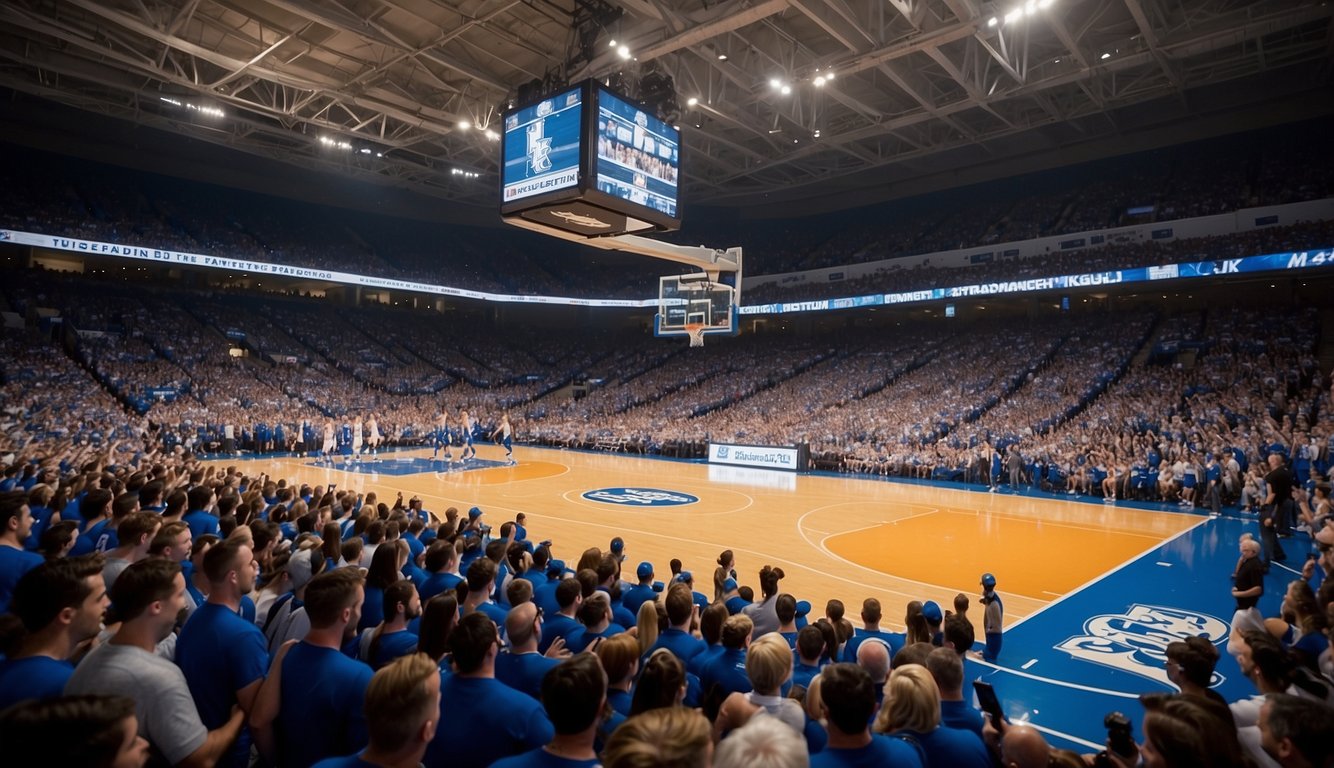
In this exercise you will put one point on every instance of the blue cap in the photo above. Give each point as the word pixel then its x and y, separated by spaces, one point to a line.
pixel 988 580
pixel 931 611
pixel 683 577
pixel 475 512
pixel 803 607
pixel 617 546
pixel 729 585
pixel 645 570
pixel 555 566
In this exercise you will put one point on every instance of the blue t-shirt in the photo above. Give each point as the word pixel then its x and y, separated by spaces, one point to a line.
pixel 882 751
pixel 524 671
pixel 961 715
pixel 558 625
pixel 41 520
pixel 483 720
pixel 540 758
pixel 727 669
pixel 219 652
pixel 636 596
pixel 581 639
pixel 200 523
pixel 99 537
pixel 953 747
pixel 861 636
pixel 13 564
pixel 372 609
pixel 322 713
pixel 683 645
pixel 438 583
pixel 394 645
pixel 350 761
pixel 620 701
pixel 803 674
pixel 32 677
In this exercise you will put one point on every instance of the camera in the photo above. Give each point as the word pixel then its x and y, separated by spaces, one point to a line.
pixel 1120 741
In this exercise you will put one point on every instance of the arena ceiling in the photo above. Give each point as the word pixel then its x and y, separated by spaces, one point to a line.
pixel 796 98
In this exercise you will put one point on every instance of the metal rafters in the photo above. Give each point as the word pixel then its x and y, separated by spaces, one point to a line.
pixel 915 78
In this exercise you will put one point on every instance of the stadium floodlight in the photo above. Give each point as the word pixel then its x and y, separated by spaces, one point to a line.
pixel 623 51
pixel 692 101
pixel 1105 56
pixel 775 83
pixel 464 125
pixel 993 21
pixel 785 90
pixel 1014 15
pixel 819 81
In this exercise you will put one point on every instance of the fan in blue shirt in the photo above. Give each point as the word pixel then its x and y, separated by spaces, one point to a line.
pixel 60 603
pixel 573 695
pixel 200 499
pixel 15 525
pixel 483 719
pixel 847 696
pixel 402 713
pixel 222 655
pixel 522 667
pixel 728 669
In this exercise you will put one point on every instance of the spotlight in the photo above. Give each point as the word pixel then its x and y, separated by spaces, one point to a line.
pixel 785 90
pixel 993 21
pixel 623 52
pixel 1105 56
pixel 819 81
pixel 492 135
pixel 1013 16
pixel 464 125
pixel 611 43
pixel 775 83
pixel 722 57
pixel 692 101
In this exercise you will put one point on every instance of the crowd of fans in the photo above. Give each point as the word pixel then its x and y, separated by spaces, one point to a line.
pixel 88 201
pixel 153 608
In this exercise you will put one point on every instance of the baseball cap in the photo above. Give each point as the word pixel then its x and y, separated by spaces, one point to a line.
pixel 475 512
pixel 683 577
pixel 556 567
pixel 617 546
pixel 729 585
pixel 645 570
pixel 299 568
pixel 988 580
pixel 931 611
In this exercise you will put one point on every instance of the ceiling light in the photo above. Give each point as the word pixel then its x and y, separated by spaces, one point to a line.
pixel 611 43
pixel 365 150
pixel 1013 16
pixel 1044 4
pixel 993 21
pixel 1032 7
pixel 722 57
pixel 623 51
pixel 464 125
pixel 692 101
pixel 775 83
pixel 819 81
pixel 492 135
pixel 1105 56
pixel 829 75
pixel 785 90
pixel 817 133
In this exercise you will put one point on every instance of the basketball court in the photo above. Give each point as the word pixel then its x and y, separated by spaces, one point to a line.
pixel 1093 592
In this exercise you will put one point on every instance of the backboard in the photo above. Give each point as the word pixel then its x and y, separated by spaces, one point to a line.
pixel 693 305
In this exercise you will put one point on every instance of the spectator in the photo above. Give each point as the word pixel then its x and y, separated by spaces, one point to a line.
pixel 521 667
pixel 1296 732
pixel 573 695
pixel 89 731
pixel 672 737
pixel 946 669
pixel 147 598
pixel 391 638
pixel 912 709
pixel 402 715
pixel 768 667
pixel 847 699
pixel 763 742
pixel 663 683
pixel 495 720
pixel 61 603
pixel 15 525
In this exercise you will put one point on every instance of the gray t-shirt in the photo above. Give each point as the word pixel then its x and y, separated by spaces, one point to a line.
pixel 166 711
pixel 112 569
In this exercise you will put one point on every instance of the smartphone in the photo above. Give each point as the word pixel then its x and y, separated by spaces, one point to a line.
pixel 986 698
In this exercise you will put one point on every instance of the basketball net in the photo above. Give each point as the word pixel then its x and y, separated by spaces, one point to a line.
pixel 696 333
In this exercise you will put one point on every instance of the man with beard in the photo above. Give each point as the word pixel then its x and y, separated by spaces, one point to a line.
pixel 311 706
pixel 223 656
pixel 148 597
pixel 392 638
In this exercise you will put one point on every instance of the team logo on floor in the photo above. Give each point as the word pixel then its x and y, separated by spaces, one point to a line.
pixel 1136 641
pixel 640 497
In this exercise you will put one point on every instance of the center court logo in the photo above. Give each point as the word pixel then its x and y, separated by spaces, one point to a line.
pixel 1136 641
pixel 640 497
pixel 722 451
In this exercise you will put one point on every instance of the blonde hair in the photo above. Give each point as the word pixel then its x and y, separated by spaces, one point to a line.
pixel 912 701
pixel 671 737
pixel 768 663
pixel 814 704
pixel 647 622
pixel 400 701
pixel 619 655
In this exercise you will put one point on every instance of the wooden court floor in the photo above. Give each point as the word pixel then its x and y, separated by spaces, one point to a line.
pixel 834 537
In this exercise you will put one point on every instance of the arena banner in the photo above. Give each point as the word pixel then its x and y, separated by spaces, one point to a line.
pixel 251 267
pixel 1216 268
pixel 791 458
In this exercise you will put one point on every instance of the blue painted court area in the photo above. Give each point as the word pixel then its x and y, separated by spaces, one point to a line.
pixel 409 466
pixel 1095 650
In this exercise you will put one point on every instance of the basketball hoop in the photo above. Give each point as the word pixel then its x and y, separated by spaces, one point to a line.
pixel 696 333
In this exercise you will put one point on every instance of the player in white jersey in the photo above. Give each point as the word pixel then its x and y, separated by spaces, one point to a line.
pixel 504 435
pixel 326 452
pixel 358 438
pixel 465 426
pixel 373 437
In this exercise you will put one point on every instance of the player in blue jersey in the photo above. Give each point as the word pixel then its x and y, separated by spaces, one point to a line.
pixel 440 438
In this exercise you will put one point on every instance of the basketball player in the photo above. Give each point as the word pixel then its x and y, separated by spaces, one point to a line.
pixel 441 437
pixel 326 452
pixel 465 426
pixel 373 437
pixel 506 434
pixel 358 438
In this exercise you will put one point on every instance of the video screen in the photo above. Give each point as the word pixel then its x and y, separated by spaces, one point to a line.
pixel 638 155
pixel 540 147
